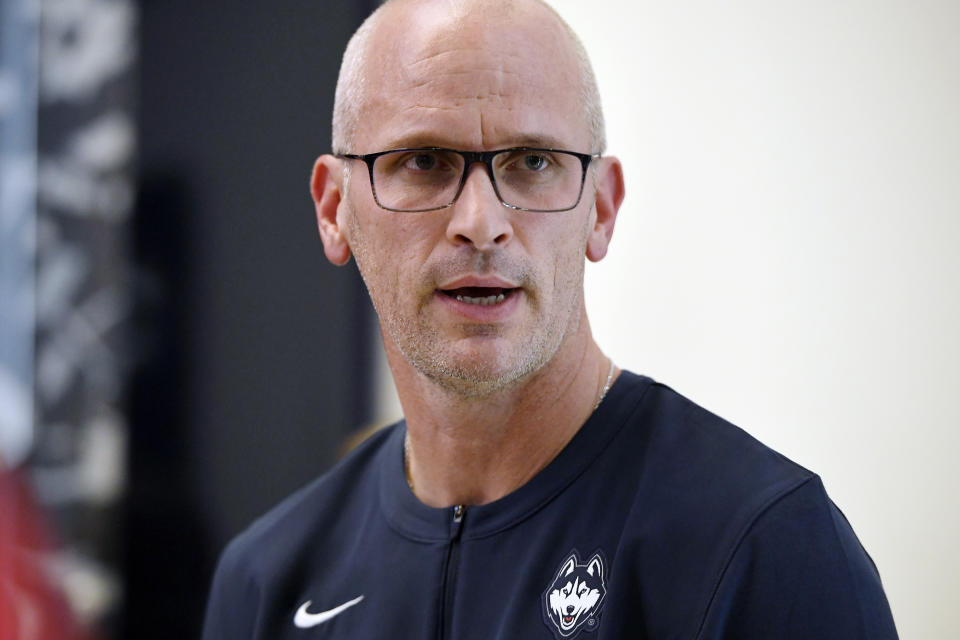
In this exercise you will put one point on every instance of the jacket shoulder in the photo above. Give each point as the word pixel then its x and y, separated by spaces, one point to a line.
pixel 723 523
pixel 269 551
pixel 709 463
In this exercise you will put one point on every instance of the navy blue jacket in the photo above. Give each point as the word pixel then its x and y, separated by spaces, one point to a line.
pixel 659 520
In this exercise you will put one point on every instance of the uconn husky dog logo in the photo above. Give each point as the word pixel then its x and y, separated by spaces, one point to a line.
pixel 572 602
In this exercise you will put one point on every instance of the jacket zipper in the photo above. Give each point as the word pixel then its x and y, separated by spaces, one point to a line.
pixel 450 573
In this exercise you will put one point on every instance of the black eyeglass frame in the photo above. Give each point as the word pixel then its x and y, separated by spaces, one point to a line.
pixel 470 158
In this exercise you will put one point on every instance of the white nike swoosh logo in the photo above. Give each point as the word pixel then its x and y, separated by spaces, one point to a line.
pixel 304 619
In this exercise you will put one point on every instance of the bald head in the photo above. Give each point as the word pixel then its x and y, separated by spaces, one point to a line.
pixel 386 32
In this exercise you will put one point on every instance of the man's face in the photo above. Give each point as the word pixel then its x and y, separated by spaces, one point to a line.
pixel 472 85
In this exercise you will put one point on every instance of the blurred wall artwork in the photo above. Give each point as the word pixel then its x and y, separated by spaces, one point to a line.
pixel 67 143
pixel 170 362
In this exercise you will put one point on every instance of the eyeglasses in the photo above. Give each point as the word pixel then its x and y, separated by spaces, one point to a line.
pixel 430 178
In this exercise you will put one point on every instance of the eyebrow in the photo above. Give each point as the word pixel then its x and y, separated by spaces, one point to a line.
pixel 418 140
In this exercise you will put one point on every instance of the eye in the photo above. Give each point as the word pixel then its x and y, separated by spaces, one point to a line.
pixel 419 164
pixel 534 162
pixel 527 163
pixel 422 161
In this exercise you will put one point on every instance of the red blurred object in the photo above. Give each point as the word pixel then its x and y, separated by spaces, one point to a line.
pixel 32 606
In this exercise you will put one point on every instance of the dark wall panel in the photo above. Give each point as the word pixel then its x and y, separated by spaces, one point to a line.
pixel 257 358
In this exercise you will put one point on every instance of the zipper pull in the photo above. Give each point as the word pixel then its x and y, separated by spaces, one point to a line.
pixel 457 524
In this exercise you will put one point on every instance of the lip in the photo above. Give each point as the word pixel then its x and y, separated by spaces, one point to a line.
pixel 492 314
pixel 491 282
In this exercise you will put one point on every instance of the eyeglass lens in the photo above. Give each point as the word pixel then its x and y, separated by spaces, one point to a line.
pixel 419 179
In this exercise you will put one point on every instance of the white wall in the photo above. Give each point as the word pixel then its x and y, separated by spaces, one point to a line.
pixel 788 254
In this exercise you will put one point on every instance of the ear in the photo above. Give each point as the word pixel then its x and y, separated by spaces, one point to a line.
pixel 568 566
pixel 609 196
pixel 326 187
pixel 595 567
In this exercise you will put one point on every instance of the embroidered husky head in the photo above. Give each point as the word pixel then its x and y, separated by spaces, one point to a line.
pixel 576 595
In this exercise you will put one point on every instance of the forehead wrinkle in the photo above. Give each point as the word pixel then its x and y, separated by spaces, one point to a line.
pixel 433 56
pixel 477 83
pixel 429 107
pixel 446 56
pixel 465 92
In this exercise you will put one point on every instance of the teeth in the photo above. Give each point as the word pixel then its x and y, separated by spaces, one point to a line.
pixel 483 302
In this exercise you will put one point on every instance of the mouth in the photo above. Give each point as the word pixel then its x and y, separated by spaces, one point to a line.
pixel 480 296
pixel 568 619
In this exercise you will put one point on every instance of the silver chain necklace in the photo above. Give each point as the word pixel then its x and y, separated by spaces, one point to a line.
pixel 606 385
pixel 406 437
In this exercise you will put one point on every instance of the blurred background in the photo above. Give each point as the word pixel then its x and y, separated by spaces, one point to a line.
pixel 157 240
pixel 176 355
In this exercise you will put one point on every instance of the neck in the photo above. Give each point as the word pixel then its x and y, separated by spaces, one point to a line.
pixel 474 450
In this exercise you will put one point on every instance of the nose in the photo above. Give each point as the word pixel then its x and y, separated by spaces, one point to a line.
pixel 569 608
pixel 478 218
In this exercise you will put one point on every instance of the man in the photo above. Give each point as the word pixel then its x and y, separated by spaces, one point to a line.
pixel 533 489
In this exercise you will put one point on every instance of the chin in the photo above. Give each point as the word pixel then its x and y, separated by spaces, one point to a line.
pixel 472 384
pixel 473 376
pixel 479 364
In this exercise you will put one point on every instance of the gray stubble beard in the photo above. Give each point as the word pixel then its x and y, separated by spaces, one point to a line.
pixel 413 340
